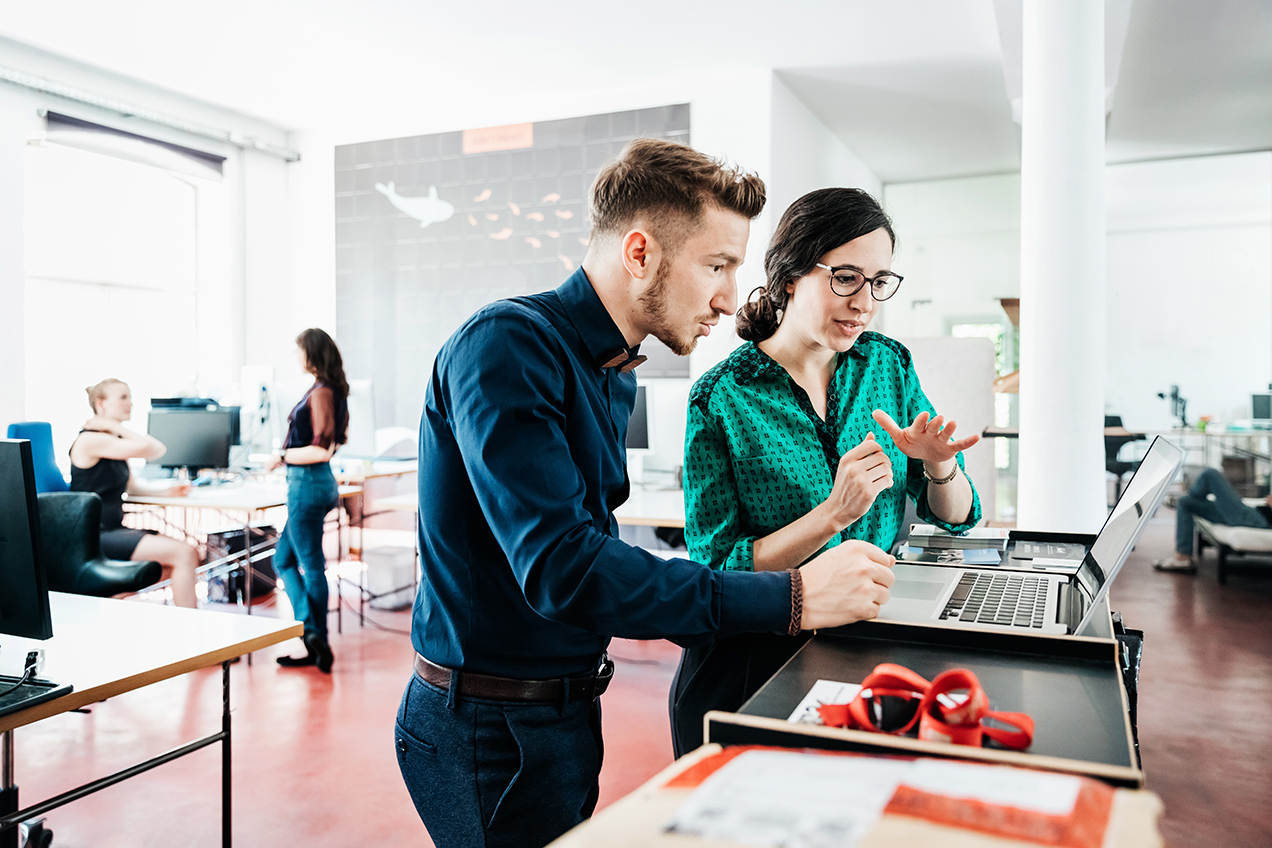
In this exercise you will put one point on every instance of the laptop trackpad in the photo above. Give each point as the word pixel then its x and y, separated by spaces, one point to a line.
pixel 919 590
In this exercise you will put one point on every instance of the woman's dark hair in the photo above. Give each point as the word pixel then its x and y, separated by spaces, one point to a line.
pixel 323 360
pixel 811 227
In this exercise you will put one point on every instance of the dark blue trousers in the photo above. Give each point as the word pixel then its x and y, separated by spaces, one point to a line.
pixel 489 774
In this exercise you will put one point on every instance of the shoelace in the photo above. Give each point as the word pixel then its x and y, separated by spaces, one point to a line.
pixel 941 715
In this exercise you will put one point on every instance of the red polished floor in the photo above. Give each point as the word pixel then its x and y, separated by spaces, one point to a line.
pixel 314 762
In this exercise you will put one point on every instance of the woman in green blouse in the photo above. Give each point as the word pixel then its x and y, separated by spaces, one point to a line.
pixel 792 443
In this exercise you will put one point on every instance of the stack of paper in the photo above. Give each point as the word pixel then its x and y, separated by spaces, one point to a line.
pixel 929 536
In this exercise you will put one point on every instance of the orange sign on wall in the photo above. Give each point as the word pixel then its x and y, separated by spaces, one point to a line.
pixel 489 139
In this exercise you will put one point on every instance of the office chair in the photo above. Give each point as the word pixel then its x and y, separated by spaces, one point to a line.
pixel 70 526
pixel 48 477
pixel 1112 447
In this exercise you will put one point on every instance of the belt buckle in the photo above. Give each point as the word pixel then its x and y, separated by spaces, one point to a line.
pixel 604 674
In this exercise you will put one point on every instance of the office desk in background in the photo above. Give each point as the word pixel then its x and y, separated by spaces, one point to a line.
pixel 359 471
pixel 105 648
pixel 1014 432
pixel 645 507
pixel 236 497
pixel 246 503
pixel 653 508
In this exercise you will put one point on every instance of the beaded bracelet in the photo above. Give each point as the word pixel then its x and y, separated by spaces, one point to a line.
pixel 797 602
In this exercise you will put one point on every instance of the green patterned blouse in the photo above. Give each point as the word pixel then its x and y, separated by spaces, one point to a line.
pixel 757 456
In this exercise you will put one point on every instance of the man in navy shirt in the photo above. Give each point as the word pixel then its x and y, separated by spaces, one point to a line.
pixel 522 464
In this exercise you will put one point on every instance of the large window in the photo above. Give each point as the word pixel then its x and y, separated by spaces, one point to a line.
pixel 126 277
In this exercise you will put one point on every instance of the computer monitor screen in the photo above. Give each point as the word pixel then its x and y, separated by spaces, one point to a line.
pixel 236 425
pixel 24 595
pixel 360 438
pixel 199 404
pixel 638 425
pixel 195 438
pixel 1261 407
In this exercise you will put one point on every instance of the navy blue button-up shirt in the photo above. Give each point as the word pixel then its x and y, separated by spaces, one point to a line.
pixel 522 463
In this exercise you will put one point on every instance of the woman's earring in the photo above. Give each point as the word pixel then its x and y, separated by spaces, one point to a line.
pixel 779 313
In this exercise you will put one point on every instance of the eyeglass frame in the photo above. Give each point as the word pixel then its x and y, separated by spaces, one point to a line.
pixel 864 280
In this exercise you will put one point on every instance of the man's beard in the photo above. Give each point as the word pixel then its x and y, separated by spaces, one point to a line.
pixel 654 300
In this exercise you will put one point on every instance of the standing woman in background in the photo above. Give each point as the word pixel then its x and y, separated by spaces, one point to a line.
pixel 99 463
pixel 316 427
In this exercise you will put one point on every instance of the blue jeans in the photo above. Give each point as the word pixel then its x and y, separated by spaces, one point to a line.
pixel 488 774
pixel 1226 508
pixel 298 558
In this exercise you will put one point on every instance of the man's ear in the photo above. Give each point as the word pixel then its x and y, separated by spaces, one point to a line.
pixel 640 253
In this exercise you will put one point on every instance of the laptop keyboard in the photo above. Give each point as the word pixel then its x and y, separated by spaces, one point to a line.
pixel 1014 600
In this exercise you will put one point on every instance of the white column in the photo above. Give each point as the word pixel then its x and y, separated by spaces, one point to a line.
pixel 1062 243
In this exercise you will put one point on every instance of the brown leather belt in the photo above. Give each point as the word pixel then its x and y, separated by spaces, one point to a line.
pixel 473 685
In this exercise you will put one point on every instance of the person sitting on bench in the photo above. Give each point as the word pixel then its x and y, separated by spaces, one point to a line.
pixel 1212 498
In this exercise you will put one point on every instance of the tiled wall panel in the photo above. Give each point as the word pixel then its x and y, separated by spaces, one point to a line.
pixel 519 225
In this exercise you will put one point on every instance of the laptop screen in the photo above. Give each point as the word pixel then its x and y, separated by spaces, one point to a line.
pixel 1130 515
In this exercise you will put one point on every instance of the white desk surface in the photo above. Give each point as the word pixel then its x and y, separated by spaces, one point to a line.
pixel 404 502
pixel 105 647
pixel 354 471
pixel 653 508
pixel 246 496
pixel 649 507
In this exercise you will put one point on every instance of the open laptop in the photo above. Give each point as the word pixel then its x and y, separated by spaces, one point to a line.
pixel 1037 602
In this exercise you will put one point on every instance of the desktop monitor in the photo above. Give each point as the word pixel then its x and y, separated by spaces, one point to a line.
pixel 1261 409
pixel 360 440
pixel 24 595
pixel 195 437
pixel 192 403
pixel 638 424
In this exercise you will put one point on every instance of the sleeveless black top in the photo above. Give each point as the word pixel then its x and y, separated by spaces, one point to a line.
pixel 109 479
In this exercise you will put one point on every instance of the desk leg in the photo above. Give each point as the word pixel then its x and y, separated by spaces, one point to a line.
pixel 8 790
pixel 340 510
pixel 248 576
pixel 247 564
pixel 226 835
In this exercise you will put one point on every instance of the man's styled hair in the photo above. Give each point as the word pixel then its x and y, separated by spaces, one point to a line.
pixel 667 186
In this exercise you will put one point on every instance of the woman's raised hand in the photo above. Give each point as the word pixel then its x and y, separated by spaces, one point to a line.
pixel 928 439
pixel 864 471
pixel 102 424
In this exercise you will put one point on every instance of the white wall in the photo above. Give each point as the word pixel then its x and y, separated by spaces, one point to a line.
pixel 807 155
pixel 1189 286
pixel 17 120
pixel 1189 292
pixel 958 249
pixel 257 208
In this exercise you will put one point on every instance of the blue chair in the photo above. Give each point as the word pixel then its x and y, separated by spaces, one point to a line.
pixel 48 477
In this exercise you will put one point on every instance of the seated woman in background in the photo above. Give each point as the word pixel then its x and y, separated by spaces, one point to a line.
pixel 99 463
pixel 317 425
pixel 792 443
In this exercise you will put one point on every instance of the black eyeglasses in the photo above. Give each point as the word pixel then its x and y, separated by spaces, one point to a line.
pixel 846 281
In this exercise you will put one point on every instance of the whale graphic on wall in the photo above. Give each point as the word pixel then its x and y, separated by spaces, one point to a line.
pixel 429 209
